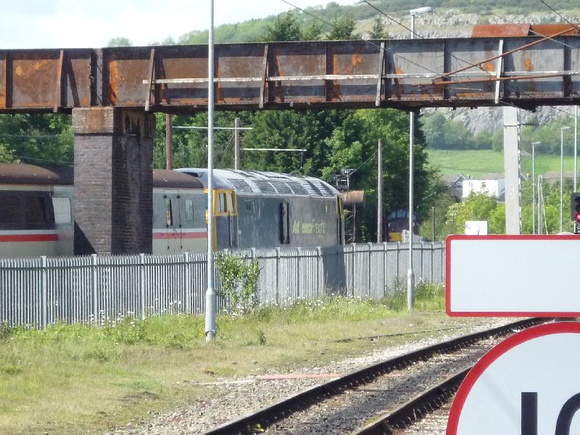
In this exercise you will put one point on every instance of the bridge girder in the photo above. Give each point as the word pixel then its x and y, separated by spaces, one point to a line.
pixel 406 74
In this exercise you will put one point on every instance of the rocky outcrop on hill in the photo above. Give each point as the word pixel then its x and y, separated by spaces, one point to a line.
pixel 453 24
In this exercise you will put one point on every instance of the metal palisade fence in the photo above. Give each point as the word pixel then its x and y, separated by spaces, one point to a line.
pixel 99 289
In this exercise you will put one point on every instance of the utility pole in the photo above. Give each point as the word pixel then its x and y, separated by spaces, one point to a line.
pixel 380 192
pixel 237 163
pixel 168 141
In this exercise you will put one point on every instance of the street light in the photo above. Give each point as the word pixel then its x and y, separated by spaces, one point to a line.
pixel 534 186
pixel 562 129
pixel 414 13
pixel 410 274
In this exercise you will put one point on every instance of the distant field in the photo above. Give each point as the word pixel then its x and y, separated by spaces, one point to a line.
pixel 476 163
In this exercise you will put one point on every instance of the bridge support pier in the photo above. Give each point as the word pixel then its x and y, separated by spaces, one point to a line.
pixel 113 181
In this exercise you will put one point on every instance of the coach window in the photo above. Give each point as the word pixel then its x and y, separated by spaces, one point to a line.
pixel 9 212
pixel 189 211
pixel 284 223
pixel 35 211
pixel 248 205
pixel 168 212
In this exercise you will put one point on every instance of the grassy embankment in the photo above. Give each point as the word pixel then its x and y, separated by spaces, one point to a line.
pixel 85 379
pixel 477 163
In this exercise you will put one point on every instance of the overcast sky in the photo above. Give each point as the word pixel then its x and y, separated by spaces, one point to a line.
pixel 93 23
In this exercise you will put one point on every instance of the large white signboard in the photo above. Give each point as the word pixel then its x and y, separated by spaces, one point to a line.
pixel 527 385
pixel 525 276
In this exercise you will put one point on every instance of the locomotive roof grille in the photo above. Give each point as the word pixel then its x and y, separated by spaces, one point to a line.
pixel 240 185
pixel 310 186
pixel 265 186
pixel 281 186
pixel 266 183
pixel 326 189
pixel 297 188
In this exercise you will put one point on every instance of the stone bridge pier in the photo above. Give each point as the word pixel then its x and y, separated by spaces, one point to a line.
pixel 113 182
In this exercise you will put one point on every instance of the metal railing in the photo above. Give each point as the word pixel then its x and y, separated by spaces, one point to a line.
pixel 100 289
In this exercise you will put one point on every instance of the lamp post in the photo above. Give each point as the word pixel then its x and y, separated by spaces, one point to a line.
pixel 562 129
pixel 210 294
pixel 410 274
pixel 534 186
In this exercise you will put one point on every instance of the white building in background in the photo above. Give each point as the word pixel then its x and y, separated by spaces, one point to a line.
pixel 491 187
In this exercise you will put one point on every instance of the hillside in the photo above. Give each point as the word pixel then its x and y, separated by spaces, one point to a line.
pixel 451 18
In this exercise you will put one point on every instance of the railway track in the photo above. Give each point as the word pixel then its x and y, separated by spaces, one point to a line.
pixel 383 398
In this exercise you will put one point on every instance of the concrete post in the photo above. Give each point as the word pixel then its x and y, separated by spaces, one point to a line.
pixel 512 170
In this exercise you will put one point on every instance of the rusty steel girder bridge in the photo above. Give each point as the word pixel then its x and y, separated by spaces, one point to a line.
pixel 524 71
pixel 113 93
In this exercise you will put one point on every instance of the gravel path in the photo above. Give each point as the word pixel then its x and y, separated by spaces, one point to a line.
pixel 228 399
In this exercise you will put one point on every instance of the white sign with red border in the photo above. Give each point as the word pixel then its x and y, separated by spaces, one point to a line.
pixel 527 385
pixel 513 276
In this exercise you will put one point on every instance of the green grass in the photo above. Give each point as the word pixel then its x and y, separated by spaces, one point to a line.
pixel 84 379
pixel 477 163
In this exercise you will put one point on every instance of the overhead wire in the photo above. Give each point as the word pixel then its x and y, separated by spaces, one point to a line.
pixel 501 102
pixel 328 23
pixel 559 14
pixel 505 103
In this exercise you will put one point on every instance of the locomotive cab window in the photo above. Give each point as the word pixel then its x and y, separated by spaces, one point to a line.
pixel 225 203
pixel 221 203
pixel 230 200
pixel 62 211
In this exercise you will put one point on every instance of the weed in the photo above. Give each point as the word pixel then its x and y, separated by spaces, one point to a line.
pixel 261 337
pixel 239 281
pixel 10 369
pixel 5 331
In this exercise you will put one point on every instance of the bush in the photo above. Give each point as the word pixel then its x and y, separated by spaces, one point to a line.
pixel 239 281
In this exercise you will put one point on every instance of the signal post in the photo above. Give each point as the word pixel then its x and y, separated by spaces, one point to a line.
pixel 575 211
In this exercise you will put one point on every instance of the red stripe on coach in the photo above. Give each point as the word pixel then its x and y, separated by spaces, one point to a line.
pixel 28 238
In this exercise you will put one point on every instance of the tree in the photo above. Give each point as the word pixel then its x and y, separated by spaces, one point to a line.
pixel 312 32
pixel 119 41
pixel 285 28
pixel 342 29
pixel 477 207
pixel 353 145
pixel 37 139
pixel 378 30
pixel 442 133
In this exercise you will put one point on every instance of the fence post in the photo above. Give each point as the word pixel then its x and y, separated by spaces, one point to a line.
pixel 352 269
pixel 142 283
pixel 278 259
pixel 432 261
pixel 44 284
pixel 94 285
pixel 319 276
pixel 188 284
pixel 370 280
pixel 385 269
pixel 298 272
